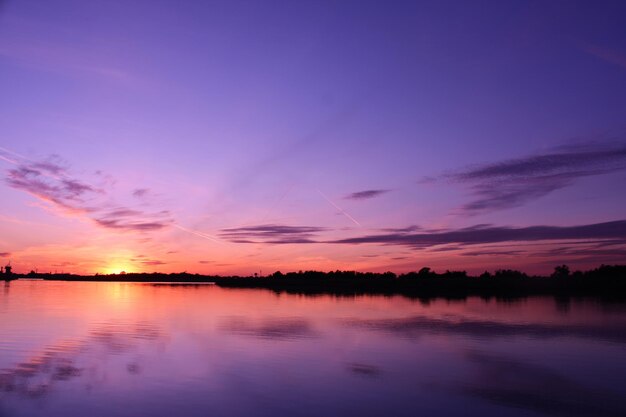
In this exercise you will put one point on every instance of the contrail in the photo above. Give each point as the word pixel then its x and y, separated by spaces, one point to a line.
pixel 10 152
pixel 342 211
pixel 200 234
pixel 277 202
pixel 11 161
pixel 20 158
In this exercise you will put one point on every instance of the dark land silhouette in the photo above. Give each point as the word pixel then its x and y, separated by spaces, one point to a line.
pixel 606 281
pixel 6 273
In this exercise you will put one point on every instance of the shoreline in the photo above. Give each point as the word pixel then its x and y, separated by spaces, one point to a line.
pixel 605 282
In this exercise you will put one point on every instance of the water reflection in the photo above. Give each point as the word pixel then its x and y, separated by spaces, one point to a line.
pixel 418 326
pixel 505 381
pixel 121 337
pixel 366 370
pixel 74 359
pixel 103 349
pixel 287 328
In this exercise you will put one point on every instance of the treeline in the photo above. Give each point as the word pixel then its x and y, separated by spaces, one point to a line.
pixel 606 281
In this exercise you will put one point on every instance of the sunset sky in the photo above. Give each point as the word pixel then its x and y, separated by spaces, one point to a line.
pixel 237 137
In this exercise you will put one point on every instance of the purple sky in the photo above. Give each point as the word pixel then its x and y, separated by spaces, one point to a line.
pixel 233 137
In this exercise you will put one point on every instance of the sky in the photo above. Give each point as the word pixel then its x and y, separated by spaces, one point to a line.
pixel 243 137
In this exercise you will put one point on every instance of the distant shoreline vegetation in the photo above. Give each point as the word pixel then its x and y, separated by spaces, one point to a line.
pixel 607 281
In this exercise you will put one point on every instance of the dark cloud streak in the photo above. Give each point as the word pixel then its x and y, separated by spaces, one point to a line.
pixel 140 192
pixel 271 233
pixel 365 195
pixel 515 182
pixel 493 234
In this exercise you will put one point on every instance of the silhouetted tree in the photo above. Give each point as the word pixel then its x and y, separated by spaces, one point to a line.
pixel 424 272
pixel 561 271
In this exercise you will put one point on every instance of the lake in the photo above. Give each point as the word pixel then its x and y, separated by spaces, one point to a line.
pixel 126 349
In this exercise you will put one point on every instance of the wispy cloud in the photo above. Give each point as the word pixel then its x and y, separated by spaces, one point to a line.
pixel 140 192
pixel 408 229
pixel 606 239
pixel 494 253
pixel 52 181
pixel 271 233
pixel 365 195
pixel 493 234
pixel 602 251
pixel 515 182
pixel 5 254
pixel 134 220
pixel 153 262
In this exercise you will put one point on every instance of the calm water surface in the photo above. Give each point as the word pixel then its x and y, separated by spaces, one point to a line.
pixel 122 349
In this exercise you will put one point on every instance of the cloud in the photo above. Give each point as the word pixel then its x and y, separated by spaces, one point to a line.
pixel 599 239
pixel 5 254
pixel 64 264
pixel 364 195
pixel 49 166
pixel 271 233
pixel 153 262
pixel 615 247
pixel 140 192
pixel 494 253
pixel 446 248
pixel 514 182
pixel 128 219
pixel 408 229
pixel 139 226
pixel 52 182
pixel 596 252
pixel 495 234
pixel 144 260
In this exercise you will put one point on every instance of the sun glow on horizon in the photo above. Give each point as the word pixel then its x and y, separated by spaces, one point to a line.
pixel 119 267
pixel 118 270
